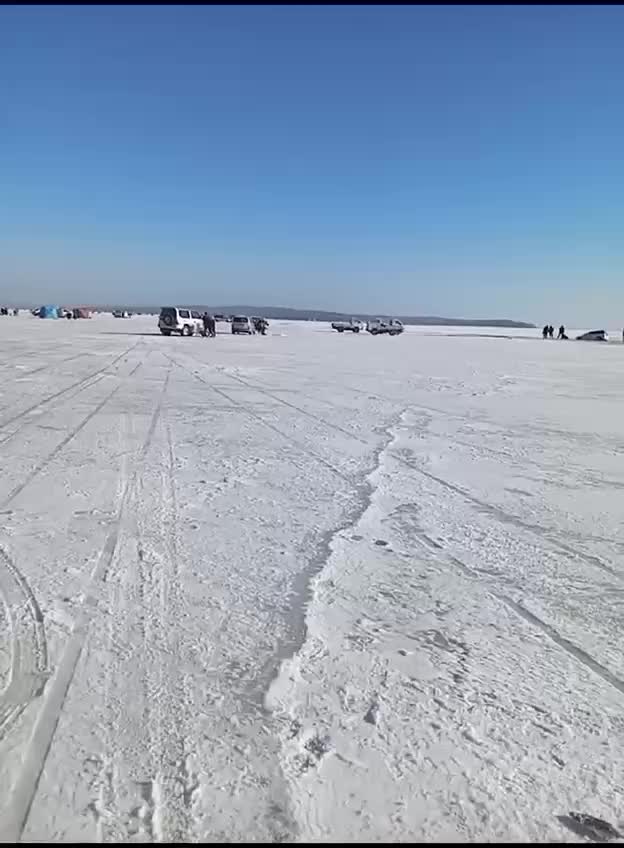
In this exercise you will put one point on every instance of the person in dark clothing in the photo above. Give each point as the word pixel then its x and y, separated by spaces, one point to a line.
pixel 545 331
pixel 212 328
pixel 562 332
pixel 206 323
pixel 551 332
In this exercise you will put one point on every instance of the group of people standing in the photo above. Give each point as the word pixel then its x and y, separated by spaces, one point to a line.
pixel 549 332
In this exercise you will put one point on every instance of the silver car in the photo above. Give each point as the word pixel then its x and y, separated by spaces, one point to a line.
pixel 242 324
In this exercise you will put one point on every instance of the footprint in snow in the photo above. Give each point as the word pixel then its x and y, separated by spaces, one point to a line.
pixel 372 714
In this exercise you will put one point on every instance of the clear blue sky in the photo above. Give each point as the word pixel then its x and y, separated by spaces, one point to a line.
pixel 458 161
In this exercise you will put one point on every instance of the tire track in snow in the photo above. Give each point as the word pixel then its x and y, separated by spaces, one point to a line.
pixel 26 352
pixel 567 645
pixel 436 550
pixel 573 650
pixel 131 596
pixel 14 814
pixel 13 818
pixel 34 421
pixel 79 384
pixel 179 783
pixel 263 391
pixel 63 443
pixel 50 366
pixel 351 480
pixel 152 793
pixel 27 644
pixel 507 518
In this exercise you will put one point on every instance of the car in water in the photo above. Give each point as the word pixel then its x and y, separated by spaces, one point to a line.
pixel 385 326
pixel 180 320
pixel 594 336
pixel 242 325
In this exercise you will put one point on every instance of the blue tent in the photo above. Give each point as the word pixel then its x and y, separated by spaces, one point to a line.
pixel 48 312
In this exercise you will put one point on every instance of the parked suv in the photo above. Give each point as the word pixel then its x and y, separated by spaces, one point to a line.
pixel 242 324
pixel 175 319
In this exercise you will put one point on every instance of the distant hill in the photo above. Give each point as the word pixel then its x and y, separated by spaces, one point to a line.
pixel 287 314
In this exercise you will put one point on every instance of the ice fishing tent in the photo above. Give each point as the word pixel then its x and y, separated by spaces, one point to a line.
pixel 48 312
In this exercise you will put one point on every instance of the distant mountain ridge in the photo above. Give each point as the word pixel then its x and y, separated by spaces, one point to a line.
pixel 288 314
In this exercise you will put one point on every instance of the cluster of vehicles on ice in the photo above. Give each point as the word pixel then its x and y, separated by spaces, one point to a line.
pixel 175 320
pixel 183 321
pixel 378 327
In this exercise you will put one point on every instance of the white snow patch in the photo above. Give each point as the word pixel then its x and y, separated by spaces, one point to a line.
pixel 308 586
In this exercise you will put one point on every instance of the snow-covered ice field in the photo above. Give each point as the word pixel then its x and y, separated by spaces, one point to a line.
pixel 309 586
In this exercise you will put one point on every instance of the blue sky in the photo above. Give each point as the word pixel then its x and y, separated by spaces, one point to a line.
pixel 456 161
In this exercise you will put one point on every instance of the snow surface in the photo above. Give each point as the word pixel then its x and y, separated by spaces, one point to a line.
pixel 308 586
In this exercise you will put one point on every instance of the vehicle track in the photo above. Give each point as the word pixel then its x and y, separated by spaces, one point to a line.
pixel 26 351
pixel 158 783
pixel 16 810
pixel 35 420
pixel 268 390
pixel 507 518
pixel 62 444
pixel 80 384
pixel 19 801
pixel 569 647
pixel 179 783
pixel 328 424
pixel 350 479
pixel 29 656
pixel 50 366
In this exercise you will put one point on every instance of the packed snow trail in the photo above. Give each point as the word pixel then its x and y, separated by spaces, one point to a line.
pixel 308 586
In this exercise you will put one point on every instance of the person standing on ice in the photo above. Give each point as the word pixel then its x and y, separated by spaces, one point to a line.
pixel 545 331
pixel 562 332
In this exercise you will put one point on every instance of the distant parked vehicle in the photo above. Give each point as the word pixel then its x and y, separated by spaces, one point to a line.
pixel 121 313
pixel 242 325
pixel 385 326
pixel 352 326
pixel 594 336
pixel 184 322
